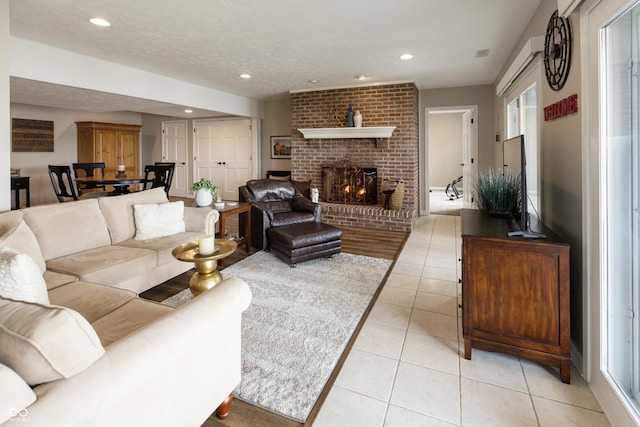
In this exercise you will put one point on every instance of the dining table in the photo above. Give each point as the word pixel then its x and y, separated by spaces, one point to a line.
pixel 120 183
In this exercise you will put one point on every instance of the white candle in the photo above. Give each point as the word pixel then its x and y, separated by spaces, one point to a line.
pixel 206 245
pixel 120 168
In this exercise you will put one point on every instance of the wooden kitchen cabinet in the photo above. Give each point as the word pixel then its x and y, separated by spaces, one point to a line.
pixel 112 143
pixel 515 292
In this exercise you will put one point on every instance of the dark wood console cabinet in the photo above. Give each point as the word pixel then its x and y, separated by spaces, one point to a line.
pixel 515 292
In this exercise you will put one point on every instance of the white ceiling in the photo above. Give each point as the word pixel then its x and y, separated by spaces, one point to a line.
pixel 283 44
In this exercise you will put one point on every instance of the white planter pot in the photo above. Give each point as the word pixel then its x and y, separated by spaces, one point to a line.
pixel 204 197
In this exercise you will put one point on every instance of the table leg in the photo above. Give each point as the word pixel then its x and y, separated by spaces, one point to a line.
pixel 223 226
pixel 17 190
pixel 28 196
pixel 247 230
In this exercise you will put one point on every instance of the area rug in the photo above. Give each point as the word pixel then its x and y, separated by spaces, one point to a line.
pixel 298 324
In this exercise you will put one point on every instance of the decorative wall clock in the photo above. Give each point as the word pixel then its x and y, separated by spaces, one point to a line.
pixel 557 51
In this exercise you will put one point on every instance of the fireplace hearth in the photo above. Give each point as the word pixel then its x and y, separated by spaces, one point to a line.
pixel 347 183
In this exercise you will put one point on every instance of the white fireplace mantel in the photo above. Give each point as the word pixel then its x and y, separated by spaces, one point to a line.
pixel 348 132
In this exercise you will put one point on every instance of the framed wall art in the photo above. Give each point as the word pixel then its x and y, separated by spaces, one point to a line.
pixel 31 135
pixel 280 147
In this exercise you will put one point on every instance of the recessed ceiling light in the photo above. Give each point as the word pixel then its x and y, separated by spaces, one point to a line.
pixel 100 22
pixel 361 77
pixel 245 76
pixel 406 56
pixel 314 81
pixel 188 111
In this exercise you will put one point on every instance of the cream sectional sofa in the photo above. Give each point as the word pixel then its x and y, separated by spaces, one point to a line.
pixel 95 353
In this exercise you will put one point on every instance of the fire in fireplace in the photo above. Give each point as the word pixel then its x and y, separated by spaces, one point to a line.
pixel 346 182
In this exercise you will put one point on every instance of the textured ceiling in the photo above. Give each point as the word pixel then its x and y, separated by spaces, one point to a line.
pixel 282 43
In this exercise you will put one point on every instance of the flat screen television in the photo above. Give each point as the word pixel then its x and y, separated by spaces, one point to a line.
pixel 514 155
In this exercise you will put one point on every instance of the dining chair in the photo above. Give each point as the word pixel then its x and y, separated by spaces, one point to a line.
pixel 62 183
pixel 158 176
pixel 173 168
pixel 88 169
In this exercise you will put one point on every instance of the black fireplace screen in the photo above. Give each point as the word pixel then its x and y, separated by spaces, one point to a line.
pixel 346 182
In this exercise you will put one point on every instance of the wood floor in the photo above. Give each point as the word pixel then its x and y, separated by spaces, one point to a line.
pixel 360 241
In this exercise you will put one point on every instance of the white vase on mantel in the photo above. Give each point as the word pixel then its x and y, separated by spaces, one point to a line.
pixel 357 119
pixel 203 197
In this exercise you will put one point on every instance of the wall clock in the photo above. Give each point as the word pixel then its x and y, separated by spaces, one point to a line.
pixel 557 51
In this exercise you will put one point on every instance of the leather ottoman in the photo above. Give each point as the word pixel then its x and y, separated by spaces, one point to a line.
pixel 304 241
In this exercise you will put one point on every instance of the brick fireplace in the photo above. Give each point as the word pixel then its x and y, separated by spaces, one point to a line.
pixel 394 159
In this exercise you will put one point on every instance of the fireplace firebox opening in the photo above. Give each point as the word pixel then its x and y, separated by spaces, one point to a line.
pixel 347 183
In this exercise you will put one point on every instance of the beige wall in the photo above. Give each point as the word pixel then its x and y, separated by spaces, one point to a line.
pixel 276 122
pixel 482 96
pixel 561 163
pixel 445 148
pixel 65 144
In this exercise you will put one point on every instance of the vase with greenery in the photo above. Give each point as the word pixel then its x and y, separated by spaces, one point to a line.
pixel 205 191
pixel 498 192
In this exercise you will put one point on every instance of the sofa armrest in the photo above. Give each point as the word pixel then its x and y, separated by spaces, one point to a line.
pixel 302 204
pixel 183 365
pixel 201 219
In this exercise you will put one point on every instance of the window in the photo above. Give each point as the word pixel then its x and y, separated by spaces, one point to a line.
pixel 522 118
pixel 621 196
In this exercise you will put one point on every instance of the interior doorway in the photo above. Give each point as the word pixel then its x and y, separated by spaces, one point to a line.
pixel 451 157
pixel 174 150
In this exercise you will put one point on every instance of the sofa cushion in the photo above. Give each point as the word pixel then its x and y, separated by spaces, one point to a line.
pixel 132 316
pixel 55 279
pixel 15 394
pixel 21 239
pixel 163 246
pixel 20 277
pixel 68 228
pixel 158 219
pixel 118 211
pixel 44 343
pixel 107 265
pixel 91 300
pixel 10 219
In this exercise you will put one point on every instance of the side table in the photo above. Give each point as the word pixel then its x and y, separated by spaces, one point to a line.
pixel 240 208
pixel 20 183
pixel 207 276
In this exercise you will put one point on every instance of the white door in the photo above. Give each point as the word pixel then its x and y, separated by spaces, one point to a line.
pixel 174 149
pixel 469 164
pixel 222 153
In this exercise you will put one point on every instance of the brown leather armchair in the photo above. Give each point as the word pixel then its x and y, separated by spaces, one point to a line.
pixel 274 203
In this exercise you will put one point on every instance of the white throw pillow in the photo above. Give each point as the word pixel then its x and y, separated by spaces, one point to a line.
pixel 15 394
pixel 45 343
pixel 21 239
pixel 158 219
pixel 20 277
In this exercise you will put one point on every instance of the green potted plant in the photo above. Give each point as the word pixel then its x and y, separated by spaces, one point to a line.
pixel 498 192
pixel 205 191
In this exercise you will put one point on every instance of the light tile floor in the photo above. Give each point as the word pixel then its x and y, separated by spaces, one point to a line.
pixel 407 366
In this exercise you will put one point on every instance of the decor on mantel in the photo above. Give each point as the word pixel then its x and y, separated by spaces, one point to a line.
pixel 357 119
pixel 350 116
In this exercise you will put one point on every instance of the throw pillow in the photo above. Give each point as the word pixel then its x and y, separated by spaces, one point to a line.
pixel 20 277
pixel 21 239
pixel 158 219
pixel 45 343
pixel 304 187
pixel 280 177
pixel 15 394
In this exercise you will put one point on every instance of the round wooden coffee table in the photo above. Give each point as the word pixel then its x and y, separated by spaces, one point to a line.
pixel 207 275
